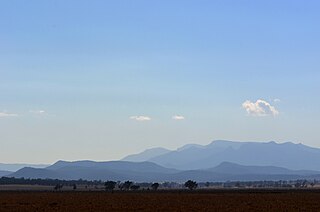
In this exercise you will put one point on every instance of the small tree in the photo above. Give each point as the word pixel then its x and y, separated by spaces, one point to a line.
pixel 58 187
pixel 207 184
pixel 110 185
pixel 120 186
pixel 191 184
pixel 74 186
pixel 126 185
pixel 155 186
pixel 134 187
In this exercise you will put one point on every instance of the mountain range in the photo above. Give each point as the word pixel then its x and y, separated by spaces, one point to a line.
pixel 151 172
pixel 217 161
pixel 12 167
pixel 287 155
pixel 146 155
pixel 4 173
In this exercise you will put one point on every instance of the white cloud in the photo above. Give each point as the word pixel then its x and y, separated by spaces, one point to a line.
pixel 38 112
pixel 178 117
pixel 41 113
pixel 259 108
pixel 277 100
pixel 140 118
pixel 5 114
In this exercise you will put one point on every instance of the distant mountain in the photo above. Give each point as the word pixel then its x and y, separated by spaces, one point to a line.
pixel 217 161
pixel 187 146
pixel 236 169
pixel 150 172
pixel 35 173
pixel 287 155
pixel 146 155
pixel 113 165
pixel 15 167
pixel 4 173
pixel 234 172
pixel 90 170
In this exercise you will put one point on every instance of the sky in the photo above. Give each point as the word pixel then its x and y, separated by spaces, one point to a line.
pixel 94 79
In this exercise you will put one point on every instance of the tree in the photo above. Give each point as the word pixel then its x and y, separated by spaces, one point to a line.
pixel 120 186
pixel 58 187
pixel 110 185
pixel 207 184
pixel 126 185
pixel 74 186
pixel 134 187
pixel 191 184
pixel 155 186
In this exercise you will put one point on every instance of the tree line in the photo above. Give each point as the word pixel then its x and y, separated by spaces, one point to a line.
pixel 108 185
pixel 130 185
pixel 47 182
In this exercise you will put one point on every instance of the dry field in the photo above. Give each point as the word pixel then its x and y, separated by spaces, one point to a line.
pixel 161 201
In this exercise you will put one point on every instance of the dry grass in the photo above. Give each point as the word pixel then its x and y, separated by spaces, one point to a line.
pixel 161 201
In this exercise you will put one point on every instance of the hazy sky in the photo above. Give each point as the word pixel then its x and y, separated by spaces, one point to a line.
pixel 101 79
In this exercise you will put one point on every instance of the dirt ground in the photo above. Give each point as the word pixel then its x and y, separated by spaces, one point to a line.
pixel 161 201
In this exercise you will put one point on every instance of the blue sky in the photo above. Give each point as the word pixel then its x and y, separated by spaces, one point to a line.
pixel 102 79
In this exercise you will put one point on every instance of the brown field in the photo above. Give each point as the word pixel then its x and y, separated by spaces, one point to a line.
pixel 217 200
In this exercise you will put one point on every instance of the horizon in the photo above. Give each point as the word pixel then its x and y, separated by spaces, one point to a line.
pixel 143 150
pixel 100 80
pixel 219 160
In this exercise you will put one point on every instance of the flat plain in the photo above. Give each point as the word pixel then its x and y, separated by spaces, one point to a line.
pixel 201 200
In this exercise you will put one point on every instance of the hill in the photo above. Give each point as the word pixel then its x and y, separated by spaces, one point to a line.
pixel 12 167
pixel 4 173
pixel 287 155
pixel 91 170
pixel 146 155
pixel 150 172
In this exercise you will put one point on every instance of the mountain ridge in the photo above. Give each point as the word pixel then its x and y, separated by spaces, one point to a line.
pixel 12 167
pixel 146 154
pixel 219 160
pixel 287 155
pixel 4 173
pixel 149 172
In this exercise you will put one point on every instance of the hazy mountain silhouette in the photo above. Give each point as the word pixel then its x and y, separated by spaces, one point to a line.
pixel 36 173
pixel 90 170
pixel 287 155
pixel 113 165
pixel 146 155
pixel 217 161
pixel 4 173
pixel 150 172
pixel 236 169
pixel 15 167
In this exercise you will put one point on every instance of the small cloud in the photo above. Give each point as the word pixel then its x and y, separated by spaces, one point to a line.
pixel 140 118
pixel 38 112
pixel 41 113
pixel 178 117
pixel 260 108
pixel 277 100
pixel 5 114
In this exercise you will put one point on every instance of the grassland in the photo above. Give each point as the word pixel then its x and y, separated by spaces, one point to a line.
pixel 217 200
